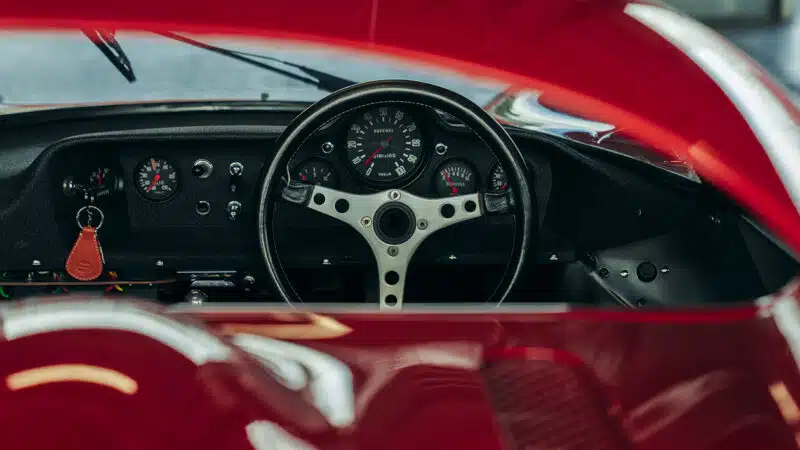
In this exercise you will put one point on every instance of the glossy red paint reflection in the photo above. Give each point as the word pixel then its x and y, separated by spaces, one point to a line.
pixel 697 381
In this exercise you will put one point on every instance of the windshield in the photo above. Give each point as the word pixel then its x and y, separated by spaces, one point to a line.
pixel 65 68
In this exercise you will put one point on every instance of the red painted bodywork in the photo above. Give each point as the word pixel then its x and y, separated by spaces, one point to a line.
pixel 694 380
pixel 572 380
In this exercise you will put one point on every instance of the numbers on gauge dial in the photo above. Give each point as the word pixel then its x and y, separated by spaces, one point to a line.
pixel 498 182
pixel 384 144
pixel 455 177
pixel 315 171
pixel 156 179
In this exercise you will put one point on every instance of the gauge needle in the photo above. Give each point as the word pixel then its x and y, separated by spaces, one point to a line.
pixel 380 147
pixel 99 177
pixel 153 164
pixel 450 182
pixel 155 180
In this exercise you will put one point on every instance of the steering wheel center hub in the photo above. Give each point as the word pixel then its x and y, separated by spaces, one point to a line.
pixel 394 223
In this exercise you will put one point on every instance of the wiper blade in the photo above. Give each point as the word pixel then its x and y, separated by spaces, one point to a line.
pixel 105 41
pixel 321 80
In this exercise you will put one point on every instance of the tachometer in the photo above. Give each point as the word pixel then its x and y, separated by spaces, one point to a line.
pixel 315 171
pixel 455 177
pixel 156 179
pixel 384 145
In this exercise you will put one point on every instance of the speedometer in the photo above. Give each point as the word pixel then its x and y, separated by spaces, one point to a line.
pixel 384 145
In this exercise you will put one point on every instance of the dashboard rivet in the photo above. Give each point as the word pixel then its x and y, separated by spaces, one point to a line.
pixel 624 273
pixel 36 263
pixel 393 251
pixel 422 224
pixel 327 147
pixel 441 149
pixel 366 221
pixel 159 263
pixel 665 269
pixel 603 272
pixel 394 195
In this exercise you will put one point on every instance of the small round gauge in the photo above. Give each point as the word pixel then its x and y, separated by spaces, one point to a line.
pixel 316 171
pixel 384 145
pixel 497 179
pixel 103 182
pixel 455 177
pixel 156 179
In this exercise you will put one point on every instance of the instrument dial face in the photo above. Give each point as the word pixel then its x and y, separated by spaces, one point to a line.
pixel 103 182
pixel 455 177
pixel 156 179
pixel 384 145
pixel 498 182
pixel 315 171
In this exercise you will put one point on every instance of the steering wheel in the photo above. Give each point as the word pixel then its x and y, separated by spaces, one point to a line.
pixel 395 222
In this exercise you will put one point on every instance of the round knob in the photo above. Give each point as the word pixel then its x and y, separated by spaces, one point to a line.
pixel 646 272
pixel 236 169
pixel 202 168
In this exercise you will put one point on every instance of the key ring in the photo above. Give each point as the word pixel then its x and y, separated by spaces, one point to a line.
pixel 89 210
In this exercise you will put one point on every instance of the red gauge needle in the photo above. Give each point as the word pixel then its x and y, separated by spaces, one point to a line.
pixel 303 177
pixel 153 184
pixel 380 147
pixel 153 164
pixel 99 177
pixel 450 182
pixel 504 186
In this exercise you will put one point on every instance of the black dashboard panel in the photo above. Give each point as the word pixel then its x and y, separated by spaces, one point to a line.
pixel 138 232
pixel 589 204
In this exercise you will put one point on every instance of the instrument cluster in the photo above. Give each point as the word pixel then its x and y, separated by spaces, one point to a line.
pixel 392 145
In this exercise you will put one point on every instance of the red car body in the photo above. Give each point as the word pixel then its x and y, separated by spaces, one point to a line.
pixel 543 379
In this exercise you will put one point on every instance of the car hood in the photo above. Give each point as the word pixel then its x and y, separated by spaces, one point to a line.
pixel 665 79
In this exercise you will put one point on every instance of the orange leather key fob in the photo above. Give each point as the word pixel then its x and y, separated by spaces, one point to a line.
pixel 85 261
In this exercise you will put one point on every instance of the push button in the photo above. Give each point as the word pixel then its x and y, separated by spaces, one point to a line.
pixel 646 272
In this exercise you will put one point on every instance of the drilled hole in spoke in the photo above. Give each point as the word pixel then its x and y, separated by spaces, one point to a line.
pixel 342 205
pixel 391 300
pixel 391 277
pixel 447 210
pixel 469 206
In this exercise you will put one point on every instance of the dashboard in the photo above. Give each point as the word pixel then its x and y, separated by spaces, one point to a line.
pixel 187 194
pixel 178 191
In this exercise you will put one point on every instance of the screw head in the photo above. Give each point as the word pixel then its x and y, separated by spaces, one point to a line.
pixel 624 273
pixel 604 273
pixel 441 149
pixel 394 195
pixel 159 263
pixel 366 221
pixel 327 147
pixel 36 263
pixel 393 251
pixel 665 269
pixel 422 224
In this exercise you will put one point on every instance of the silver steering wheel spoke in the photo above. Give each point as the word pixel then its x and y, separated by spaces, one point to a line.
pixel 393 222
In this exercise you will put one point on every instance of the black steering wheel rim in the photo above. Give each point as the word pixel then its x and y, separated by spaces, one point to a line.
pixel 358 96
